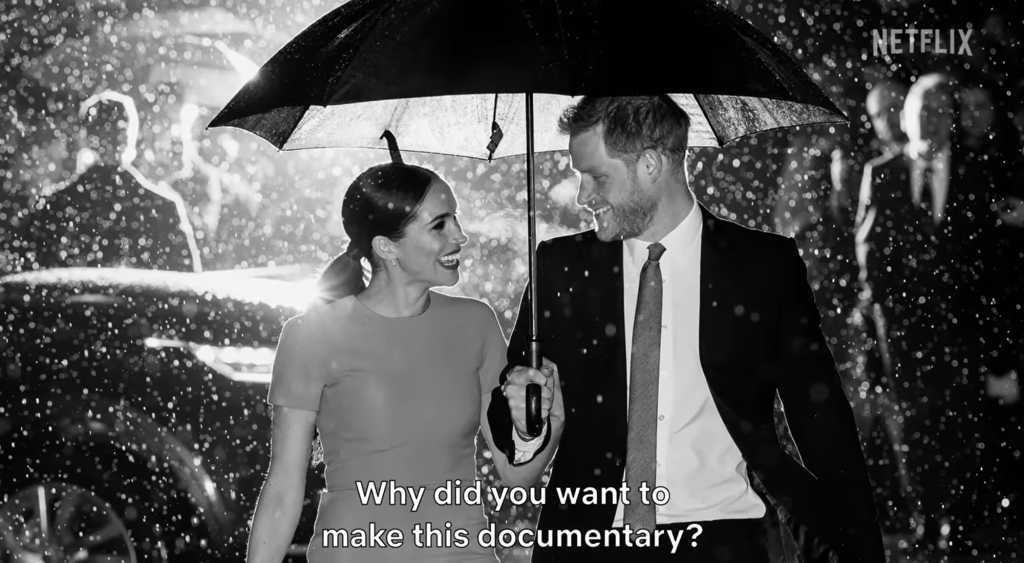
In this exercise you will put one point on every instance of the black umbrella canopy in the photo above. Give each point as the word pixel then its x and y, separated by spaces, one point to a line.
pixel 430 70
pixel 438 73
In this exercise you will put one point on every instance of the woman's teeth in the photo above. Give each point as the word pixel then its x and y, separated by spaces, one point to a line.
pixel 450 260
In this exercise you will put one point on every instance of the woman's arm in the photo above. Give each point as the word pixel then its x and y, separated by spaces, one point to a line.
pixel 280 503
pixel 495 354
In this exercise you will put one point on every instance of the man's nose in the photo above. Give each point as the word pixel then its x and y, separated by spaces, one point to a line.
pixel 584 193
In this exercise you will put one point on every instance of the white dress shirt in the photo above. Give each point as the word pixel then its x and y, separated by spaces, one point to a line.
pixel 698 461
pixel 940 183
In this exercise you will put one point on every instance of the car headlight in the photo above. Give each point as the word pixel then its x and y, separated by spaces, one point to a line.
pixel 239 363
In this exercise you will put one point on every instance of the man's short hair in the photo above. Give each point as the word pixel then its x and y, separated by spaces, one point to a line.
pixel 107 113
pixel 936 82
pixel 633 124
pixel 888 93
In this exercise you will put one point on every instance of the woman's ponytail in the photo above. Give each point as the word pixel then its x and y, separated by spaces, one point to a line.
pixel 344 276
pixel 382 201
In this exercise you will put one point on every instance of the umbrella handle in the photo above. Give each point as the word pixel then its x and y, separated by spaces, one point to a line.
pixel 534 422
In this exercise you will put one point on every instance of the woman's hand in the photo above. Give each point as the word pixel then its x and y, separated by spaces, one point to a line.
pixel 514 390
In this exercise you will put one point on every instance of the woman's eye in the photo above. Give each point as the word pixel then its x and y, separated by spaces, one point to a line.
pixel 439 226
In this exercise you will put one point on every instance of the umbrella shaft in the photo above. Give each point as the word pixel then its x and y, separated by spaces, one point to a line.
pixel 531 207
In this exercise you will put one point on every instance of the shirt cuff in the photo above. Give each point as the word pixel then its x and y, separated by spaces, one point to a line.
pixel 525 450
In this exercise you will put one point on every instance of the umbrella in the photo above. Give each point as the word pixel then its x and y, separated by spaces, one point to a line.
pixel 446 76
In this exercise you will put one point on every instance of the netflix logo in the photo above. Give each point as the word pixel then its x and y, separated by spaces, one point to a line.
pixel 917 41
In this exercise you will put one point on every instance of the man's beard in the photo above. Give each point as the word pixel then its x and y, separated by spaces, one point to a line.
pixel 631 216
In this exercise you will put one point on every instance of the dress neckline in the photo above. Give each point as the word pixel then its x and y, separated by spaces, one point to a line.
pixel 375 314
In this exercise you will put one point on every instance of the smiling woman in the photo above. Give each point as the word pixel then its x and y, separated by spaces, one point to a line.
pixel 393 377
pixel 428 253
pixel 381 202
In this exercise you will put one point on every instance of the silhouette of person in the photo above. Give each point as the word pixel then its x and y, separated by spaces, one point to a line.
pixel 109 215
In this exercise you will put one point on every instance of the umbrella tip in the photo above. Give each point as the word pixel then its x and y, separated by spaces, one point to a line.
pixel 396 155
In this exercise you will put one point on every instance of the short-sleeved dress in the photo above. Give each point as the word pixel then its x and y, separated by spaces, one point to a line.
pixel 398 400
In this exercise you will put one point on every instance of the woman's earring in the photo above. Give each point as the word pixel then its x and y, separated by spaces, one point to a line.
pixel 394 261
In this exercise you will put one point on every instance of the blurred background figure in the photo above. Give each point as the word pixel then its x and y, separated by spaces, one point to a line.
pixel 927 268
pixel 879 227
pixel 215 174
pixel 881 207
pixel 884 107
pixel 109 214
pixel 993 158
pixel 815 207
pixel 811 210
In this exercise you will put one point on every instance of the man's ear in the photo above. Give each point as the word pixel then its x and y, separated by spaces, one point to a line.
pixel 650 165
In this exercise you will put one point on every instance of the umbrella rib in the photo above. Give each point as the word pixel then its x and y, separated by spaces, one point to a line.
pixel 700 104
pixel 794 127
pixel 291 131
pixel 399 105
pixel 561 34
pixel 332 82
pixel 417 151
pixel 368 33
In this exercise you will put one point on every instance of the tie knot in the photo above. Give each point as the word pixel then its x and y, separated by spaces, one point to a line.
pixel 656 250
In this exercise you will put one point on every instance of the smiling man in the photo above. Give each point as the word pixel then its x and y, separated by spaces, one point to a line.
pixel 673 331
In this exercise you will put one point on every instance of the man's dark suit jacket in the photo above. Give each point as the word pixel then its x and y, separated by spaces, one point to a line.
pixel 892 243
pixel 933 286
pixel 759 334
pixel 110 216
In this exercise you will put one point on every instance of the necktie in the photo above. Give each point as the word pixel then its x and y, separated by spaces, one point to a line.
pixel 926 200
pixel 642 421
pixel 926 190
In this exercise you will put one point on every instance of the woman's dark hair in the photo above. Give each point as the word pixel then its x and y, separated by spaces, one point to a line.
pixel 380 202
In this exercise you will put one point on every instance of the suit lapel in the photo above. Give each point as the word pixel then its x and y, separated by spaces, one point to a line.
pixel 605 300
pixel 733 390
pixel 716 292
pixel 735 393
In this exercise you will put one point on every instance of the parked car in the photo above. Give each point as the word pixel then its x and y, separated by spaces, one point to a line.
pixel 133 416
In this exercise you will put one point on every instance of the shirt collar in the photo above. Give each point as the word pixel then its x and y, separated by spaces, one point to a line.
pixel 679 242
pixel 938 163
pixel 939 167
